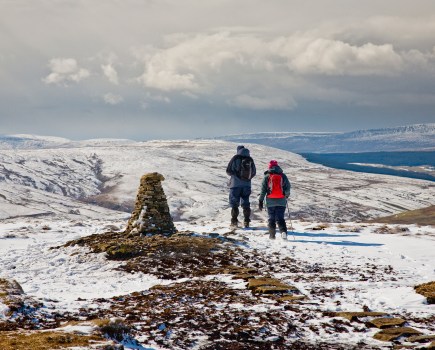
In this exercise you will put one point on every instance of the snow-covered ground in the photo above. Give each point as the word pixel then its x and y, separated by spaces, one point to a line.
pixel 360 267
pixel 51 196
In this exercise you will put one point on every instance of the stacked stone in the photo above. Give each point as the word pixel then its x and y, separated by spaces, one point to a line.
pixel 151 213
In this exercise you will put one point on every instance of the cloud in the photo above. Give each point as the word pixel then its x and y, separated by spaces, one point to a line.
pixel 202 63
pixel 307 55
pixel 113 99
pixel 193 63
pixel 260 103
pixel 168 79
pixel 64 70
pixel 110 73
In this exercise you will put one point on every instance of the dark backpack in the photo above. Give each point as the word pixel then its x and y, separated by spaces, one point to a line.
pixel 245 171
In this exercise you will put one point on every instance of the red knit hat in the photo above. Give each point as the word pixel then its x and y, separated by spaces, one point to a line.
pixel 273 163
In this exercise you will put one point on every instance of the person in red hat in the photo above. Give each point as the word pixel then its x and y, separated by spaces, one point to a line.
pixel 276 189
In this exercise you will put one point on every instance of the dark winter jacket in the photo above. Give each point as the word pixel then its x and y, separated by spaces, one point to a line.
pixel 275 202
pixel 234 165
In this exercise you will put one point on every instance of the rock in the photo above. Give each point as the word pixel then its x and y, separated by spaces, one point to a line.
pixel 151 212
pixel 271 290
pixel 421 338
pixel 353 316
pixel 293 298
pixel 269 285
pixel 386 322
pixel 390 334
pixel 427 290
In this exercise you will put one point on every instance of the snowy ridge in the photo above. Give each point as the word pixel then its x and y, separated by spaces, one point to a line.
pixel 410 137
pixel 24 141
pixel 196 182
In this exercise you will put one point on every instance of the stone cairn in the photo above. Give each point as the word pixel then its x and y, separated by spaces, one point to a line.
pixel 151 212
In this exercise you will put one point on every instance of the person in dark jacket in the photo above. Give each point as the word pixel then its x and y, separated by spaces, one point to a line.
pixel 242 169
pixel 276 189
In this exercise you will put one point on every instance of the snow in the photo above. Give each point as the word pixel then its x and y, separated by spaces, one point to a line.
pixel 57 181
pixel 65 275
pixel 68 274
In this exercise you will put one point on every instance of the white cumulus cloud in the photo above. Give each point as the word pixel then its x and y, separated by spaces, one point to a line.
pixel 241 62
pixel 310 55
pixel 110 73
pixel 64 70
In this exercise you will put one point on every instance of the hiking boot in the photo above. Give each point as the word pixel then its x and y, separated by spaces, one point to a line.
pixel 234 223
pixel 234 215
pixel 284 235
pixel 246 214
pixel 282 226
pixel 246 224
pixel 272 232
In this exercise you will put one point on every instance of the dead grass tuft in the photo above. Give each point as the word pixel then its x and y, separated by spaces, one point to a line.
pixel 391 229
pixel 116 329
pixel 42 340
pixel 427 290
pixel 320 227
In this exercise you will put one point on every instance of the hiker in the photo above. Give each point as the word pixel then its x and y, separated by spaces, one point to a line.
pixel 276 188
pixel 242 169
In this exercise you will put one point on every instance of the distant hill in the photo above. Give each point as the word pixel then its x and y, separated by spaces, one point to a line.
pixel 24 141
pixel 402 138
pixel 424 216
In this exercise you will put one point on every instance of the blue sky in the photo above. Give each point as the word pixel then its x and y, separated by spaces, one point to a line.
pixel 148 69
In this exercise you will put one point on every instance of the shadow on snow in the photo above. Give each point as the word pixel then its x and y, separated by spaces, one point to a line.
pixel 331 242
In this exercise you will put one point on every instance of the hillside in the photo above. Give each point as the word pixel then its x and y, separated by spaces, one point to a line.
pixel 423 216
pixel 410 137
pixel 108 175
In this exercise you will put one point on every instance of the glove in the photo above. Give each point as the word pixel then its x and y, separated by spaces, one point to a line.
pixel 260 205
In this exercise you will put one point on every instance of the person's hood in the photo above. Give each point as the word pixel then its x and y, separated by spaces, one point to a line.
pixel 243 152
pixel 274 170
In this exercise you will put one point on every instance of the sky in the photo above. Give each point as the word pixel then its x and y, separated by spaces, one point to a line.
pixel 176 69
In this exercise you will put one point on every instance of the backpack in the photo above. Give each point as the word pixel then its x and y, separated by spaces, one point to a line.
pixel 275 186
pixel 245 170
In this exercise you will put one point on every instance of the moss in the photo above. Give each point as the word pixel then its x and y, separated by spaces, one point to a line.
pixel 122 251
